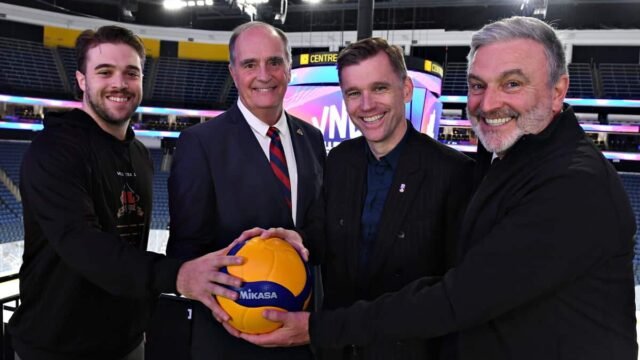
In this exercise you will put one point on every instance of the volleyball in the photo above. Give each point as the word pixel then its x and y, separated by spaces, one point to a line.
pixel 274 277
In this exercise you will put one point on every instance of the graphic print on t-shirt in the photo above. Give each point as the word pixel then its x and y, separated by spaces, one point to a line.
pixel 130 215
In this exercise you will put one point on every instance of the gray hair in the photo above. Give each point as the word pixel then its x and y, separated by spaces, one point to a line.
pixel 520 27
pixel 246 26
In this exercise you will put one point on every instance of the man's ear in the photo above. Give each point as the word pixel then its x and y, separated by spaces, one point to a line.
pixel 559 90
pixel 407 88
pixel 81 79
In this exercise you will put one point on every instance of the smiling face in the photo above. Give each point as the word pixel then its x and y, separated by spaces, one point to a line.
pixel 375 97
pixel 509 93
pixel 112 86
pixel 261 72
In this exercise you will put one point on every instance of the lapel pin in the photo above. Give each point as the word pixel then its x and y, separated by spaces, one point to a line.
pixel 402 186
pixel 299 131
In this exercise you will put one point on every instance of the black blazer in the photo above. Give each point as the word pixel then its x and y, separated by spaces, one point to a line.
pixel 221 184
pixel 416 237
pixel 547 266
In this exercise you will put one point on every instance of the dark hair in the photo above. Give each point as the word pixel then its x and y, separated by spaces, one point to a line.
pixel 110 34
pixel 520 27
pixel 246 26
pixel 368 48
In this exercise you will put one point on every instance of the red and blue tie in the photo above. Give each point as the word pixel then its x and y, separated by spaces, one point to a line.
pixel 279 163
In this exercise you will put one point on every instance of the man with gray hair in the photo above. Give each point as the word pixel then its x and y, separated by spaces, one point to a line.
pixel 547 241
pixel 253 166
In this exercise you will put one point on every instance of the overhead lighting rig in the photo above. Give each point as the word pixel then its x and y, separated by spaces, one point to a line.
pixel 179 4
pixel 264 10
pixel 534 8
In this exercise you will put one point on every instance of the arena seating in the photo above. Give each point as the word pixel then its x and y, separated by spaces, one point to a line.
pixel 455 79
pixel 232 97
pixel 11 157
pixel 631 182
pixel 10 209
pixel 68 57
pixel 28 67
pixel 581 85
pixel 10 218
pixel 620 81
pixel 190 81
pixel 160 212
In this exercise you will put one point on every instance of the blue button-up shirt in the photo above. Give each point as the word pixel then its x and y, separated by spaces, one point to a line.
pixel 379 179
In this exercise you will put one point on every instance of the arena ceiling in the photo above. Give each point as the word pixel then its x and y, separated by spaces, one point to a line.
pixel 336 15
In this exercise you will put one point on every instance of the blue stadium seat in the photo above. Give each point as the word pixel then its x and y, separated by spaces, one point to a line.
pixel 631 182
pixel 581 84
pixel 189 81
pixel 28 66
pixel 620 81
pixel 455 79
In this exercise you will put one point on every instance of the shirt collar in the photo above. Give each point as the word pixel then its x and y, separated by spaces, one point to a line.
pixel 259 126
pixel 393 157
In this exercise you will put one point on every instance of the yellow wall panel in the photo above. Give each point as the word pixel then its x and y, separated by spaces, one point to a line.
pixel 195 51
pixel 152 47
pixel 55 36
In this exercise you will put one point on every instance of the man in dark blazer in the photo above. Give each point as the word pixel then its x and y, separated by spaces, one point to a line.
pixel 222 181
pixel 394 198
pixel 547 240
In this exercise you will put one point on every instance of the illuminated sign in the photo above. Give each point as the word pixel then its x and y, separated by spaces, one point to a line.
pixel 319 58
pixel 430 66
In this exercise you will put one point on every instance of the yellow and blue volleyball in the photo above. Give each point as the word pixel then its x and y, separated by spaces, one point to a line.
pixel 274 277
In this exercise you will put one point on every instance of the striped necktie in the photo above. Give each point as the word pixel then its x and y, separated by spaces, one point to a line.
pixel 279 164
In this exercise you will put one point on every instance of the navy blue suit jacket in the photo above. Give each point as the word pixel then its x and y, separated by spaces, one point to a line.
pixel 221 184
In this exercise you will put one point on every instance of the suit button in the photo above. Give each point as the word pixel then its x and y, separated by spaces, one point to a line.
pixel 341 222
pixel 399 343
pixel 401 235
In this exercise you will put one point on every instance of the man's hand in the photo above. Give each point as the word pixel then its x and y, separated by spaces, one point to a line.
pixel 294 330
pixel 289 236
pixel 200 279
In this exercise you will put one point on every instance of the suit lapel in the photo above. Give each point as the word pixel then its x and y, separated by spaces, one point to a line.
pixel 304 161
pixel 407 180
pixel 354 191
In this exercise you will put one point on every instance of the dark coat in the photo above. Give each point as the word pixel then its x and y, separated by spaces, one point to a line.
pixel 221 184
pixel 416 237
pixel 546 272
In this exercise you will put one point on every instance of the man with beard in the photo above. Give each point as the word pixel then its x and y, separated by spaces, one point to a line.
pixel 87 284
pixel 547 240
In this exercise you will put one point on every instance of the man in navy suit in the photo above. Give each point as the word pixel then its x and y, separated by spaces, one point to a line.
pixel 224 177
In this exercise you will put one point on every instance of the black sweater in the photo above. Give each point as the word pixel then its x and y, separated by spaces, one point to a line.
pixel 87 284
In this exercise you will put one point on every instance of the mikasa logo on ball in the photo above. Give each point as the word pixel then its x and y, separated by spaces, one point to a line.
pixel 274 276
pixel 249 295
